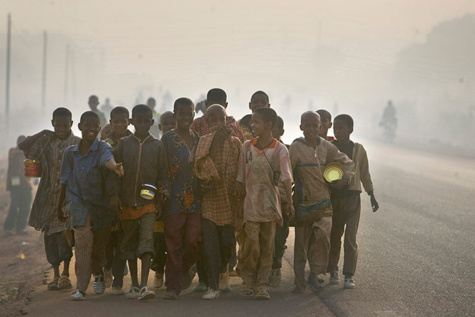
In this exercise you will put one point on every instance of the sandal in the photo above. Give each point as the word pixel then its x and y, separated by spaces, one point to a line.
pixel 247 292
pixel 64 282
pixel 53 286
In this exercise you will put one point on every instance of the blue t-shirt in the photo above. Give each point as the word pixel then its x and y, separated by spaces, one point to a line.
pixel 85 177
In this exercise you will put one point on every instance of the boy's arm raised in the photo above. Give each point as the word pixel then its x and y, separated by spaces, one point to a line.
pixel 26 145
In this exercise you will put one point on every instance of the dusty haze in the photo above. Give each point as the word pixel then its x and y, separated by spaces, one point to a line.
pixel 344 56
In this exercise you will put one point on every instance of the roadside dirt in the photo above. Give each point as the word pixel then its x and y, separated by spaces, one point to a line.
pixel 22 260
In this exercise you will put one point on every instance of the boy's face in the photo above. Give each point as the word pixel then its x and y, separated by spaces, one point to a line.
pixel 258 125
pixel 277 132
pixel 62 126
pixel 341 130
pixel 324 126
pixel 142 122
pixel 310 125
pixel 184 116
pixel 258 101
pixel 167 123
pixel 119 123
pixel 216 119
pixel 89 128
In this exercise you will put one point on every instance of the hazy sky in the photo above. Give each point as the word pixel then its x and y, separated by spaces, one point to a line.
pixel 320 53
pixel 189 40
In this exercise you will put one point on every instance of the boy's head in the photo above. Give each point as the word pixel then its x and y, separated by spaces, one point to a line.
pixel 310 125
pixel 93 102
pixel 259 99
pixel 216 117
pixel 89 125
pixel 20 139
pixel 151 102
pixel 263 120
pixel 142 118
pixel 167 122
pixel 184 113
pixel 325 122
pixel 120 120
pixel 343 127
pixel 216 96
pixel 62 122
pixel 278 130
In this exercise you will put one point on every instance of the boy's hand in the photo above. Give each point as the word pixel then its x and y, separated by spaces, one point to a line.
pixel 374 203
pixel 60 214
pixel 115 204
pixel 119 169
pixel 338 184
pixel 290 211
pixel 159 205
pixel 239 189
pixel 206 186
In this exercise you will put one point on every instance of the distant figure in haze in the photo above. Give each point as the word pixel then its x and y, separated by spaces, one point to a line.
pixel 154 130
pixel 259 99
pixel 106 108
pixel 93 102
pixel 346 204
pixel 201 106
pixel 325 125
pixel 20 191
pixel 389 122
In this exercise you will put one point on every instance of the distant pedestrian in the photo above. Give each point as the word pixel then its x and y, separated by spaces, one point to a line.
pixel 19 187
pixel 93 103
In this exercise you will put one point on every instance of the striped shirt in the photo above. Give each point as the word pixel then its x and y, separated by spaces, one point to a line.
pixel 49 151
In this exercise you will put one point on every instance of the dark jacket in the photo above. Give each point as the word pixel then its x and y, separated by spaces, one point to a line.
pixel 144 163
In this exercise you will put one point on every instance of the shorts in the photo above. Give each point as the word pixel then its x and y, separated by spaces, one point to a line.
pixel 57 248
pixel 138 237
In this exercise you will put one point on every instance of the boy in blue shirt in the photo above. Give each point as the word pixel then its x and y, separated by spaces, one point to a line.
pixel 83 171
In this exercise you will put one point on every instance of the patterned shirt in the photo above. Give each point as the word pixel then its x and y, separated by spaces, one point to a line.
pixel 257 170
pixel 49 151
pixel 218 165
pixel 201 126
pixel 182 185
pixel 84 176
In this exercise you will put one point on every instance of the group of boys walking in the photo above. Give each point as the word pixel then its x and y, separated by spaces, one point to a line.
pixel 181 203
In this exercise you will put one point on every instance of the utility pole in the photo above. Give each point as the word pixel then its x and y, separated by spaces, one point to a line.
pixel 43 88
pixel 7 91
pixel 66 71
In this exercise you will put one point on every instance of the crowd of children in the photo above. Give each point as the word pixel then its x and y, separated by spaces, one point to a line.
pixel 182 203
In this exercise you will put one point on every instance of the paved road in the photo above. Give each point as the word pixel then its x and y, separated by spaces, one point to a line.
pixel 416 254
